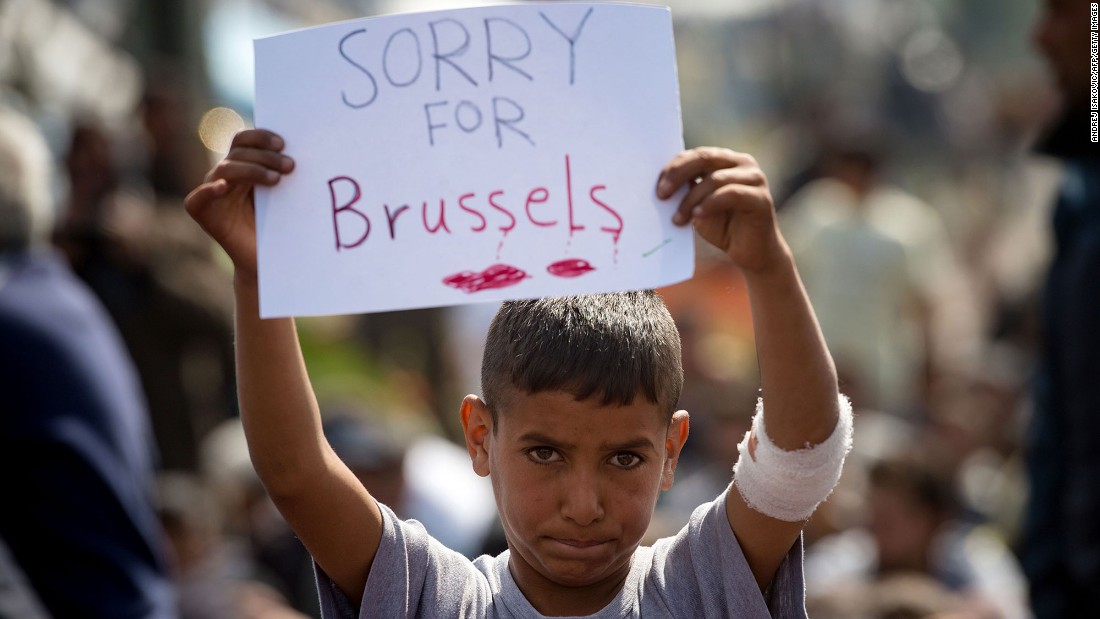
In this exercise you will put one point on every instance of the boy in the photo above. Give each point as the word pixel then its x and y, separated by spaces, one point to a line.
pixel 577 433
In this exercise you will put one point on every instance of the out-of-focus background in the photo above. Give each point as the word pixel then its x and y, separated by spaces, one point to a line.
pixel 921 111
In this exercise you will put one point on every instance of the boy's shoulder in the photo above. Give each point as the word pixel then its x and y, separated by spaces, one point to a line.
pixel 704 572
pixel 700 571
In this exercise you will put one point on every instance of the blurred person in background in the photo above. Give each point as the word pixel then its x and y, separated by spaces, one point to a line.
pixel 873 258
pixel 217 577
pixel 120 111
pixel 1060 546
pixel 253 539
pixel 916 545
pixel 976 416
pixel 156 277
pixel 255 535
pixel 76 465
pixel 254 550
pixel 424 477
pixel 724 415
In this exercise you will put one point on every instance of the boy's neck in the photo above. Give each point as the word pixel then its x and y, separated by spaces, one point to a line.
pixel 556 600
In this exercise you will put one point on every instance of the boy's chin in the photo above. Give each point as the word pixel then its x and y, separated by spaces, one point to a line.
pixel 592 575
pixel 583 571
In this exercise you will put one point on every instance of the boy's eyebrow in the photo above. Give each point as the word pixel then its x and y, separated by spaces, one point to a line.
pixel 535 437
pixel 640 442
pixel 636 443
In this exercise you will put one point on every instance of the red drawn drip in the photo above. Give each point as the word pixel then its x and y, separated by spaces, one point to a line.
pixel 496 276
pixel 572 267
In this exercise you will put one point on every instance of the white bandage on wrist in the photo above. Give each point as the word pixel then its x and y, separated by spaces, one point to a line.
pixel 789 485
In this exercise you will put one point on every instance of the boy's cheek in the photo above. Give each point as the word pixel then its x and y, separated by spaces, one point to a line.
pixel 634 503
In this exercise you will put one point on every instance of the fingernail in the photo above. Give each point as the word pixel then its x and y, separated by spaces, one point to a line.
pixel 277 143
pixel 697 211
pixel 286 163
pixel 664 187
pixel 272 175
pixel 678 219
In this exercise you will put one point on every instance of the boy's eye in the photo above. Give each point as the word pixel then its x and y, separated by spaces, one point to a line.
pixel 543 455
pixel 626 460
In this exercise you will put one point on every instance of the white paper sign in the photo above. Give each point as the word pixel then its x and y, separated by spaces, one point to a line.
pixel 469 155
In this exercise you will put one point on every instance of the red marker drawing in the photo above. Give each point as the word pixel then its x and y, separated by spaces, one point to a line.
pixel 572 267
pixel 496 276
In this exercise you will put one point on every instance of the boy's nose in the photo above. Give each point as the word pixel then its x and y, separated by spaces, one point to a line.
pixel 581 500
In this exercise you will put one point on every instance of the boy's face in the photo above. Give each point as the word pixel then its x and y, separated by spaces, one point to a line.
pixel 575 482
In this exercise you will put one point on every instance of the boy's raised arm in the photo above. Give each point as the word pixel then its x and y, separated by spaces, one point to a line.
pixel 731 207
pixel 322 500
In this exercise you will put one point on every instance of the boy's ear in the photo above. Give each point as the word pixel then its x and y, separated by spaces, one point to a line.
pixel 675 438
pixel 477 425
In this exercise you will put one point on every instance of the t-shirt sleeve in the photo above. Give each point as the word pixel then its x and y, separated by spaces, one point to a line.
pixel 413 575
pixel 702 572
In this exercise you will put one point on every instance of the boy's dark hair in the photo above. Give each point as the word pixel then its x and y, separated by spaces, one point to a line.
pixel 609 346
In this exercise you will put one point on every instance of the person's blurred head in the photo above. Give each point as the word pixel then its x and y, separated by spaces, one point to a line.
pixel 1061 33
pixel 372 451
pixel 856 167
pixel 90 163
pixel 910 500
pixel 26 208
pixel 190 517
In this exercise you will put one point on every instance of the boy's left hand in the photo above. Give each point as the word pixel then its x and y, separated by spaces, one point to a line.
pixel 729 201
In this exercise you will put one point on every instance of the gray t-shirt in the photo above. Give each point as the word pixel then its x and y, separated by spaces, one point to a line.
pixel 699 572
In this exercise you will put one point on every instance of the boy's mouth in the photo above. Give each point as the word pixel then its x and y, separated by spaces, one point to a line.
pixel 579 543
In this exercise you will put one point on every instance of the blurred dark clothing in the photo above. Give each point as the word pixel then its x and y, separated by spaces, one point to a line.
pixel 76 463
pixel 155 273
pixel 17 599
pixel 1060 546
pixel 172 305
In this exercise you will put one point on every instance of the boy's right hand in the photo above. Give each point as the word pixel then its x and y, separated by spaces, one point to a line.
pixel 223 204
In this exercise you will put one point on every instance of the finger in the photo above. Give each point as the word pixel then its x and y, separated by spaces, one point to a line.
pixel 750 176
pixel 267 158
pixel 731 198
pixel 697 162
pixel 258 138
pixel 204 194
pixel 244 173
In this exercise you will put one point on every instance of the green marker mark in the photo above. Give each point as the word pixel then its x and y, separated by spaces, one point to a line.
pixel 654 250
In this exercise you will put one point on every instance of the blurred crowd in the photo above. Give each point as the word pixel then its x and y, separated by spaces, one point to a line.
pixel 898 137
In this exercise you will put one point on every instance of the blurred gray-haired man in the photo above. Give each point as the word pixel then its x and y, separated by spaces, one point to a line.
pixel 76 468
